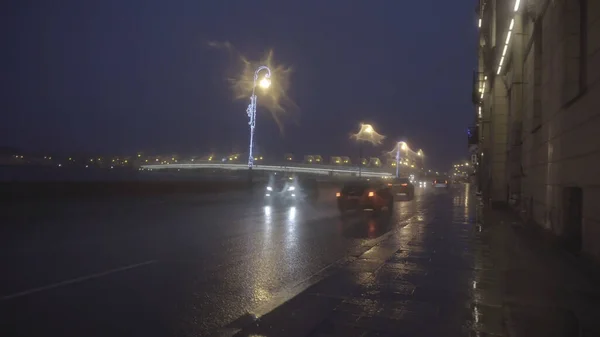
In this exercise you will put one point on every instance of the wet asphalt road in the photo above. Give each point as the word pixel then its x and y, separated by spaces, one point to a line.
pixel 173 266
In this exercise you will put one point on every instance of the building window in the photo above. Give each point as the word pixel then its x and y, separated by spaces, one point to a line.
pixel 535 75
pixel 574 46
pixel 583 40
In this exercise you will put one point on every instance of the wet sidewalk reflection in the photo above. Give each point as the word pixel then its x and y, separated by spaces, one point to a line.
pixel 444 272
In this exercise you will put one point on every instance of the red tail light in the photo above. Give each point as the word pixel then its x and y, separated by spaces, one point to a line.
pixel 404 184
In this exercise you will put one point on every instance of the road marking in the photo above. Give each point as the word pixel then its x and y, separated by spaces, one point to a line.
pixel 75 280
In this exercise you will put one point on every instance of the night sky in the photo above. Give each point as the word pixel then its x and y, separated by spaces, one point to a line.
pixel 117 76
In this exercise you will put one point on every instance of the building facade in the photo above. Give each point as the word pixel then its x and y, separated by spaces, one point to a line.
pixel 537 114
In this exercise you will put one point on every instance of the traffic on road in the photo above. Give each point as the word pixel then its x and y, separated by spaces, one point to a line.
pixel 179 265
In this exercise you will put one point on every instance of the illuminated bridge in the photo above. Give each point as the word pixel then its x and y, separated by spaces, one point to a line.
pixel 295 168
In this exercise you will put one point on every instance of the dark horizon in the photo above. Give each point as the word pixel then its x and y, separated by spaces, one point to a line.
pixel 119 78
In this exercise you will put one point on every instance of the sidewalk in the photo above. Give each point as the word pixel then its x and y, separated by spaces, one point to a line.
pixel 443 274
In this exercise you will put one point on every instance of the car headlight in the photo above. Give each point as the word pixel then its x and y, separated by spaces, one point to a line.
pixel 269 188
pixel 291 188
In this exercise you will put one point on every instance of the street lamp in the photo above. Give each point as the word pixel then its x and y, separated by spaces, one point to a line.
pixel 404 147
pixel 421 155
pixel 369 131
pixel 368 134
pixel 264 83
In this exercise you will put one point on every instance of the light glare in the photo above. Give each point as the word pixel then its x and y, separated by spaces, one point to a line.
pixel 265 83
pixel 275 100
pixel 368 134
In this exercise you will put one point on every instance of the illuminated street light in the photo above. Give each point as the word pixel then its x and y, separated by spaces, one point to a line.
pixel 251 110
pixel 265 82
pixel 400 146
pixel 366 134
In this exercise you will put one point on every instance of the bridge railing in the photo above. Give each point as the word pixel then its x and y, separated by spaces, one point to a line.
pixel 321 170
pixel 297 164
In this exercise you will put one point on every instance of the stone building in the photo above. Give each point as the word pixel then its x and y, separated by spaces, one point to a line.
pixel 537 108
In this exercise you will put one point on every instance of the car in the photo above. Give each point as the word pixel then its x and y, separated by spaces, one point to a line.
pixel 441 183
pixel 290 189
pixel 402 188
pixel 365 195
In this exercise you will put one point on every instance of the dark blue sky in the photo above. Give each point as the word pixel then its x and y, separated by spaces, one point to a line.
pixel 118 76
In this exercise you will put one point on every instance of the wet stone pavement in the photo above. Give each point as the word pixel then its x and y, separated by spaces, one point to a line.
pixel 448 271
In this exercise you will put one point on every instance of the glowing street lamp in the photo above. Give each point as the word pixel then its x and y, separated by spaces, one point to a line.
pixel 421 155
pixel 400 146
pixel 367 134
pixel 264 83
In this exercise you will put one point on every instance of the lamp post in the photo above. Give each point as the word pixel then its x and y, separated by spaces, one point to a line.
pixel 397 163
pixel 400 146
pixel 265 82
pixel 366 134
pixel 368 130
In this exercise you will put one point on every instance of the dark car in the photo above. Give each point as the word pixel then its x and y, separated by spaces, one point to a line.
pixel 365 195
pixel 290 189
pixel 402 188
pixel 441 182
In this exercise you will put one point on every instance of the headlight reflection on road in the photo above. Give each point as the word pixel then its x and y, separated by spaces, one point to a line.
pixel 268 218
pixel 291 237
pixel 291 220
pixel 292 214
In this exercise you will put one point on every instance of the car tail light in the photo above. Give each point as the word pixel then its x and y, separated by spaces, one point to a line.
pixel 338 194
pixel 371 194
pixel 404 184
pixel 389 184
